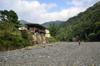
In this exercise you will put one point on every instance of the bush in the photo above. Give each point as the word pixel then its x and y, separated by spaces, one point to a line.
pixel 92 36
pixel 27 36
pixel 52 39
pixel 98 35
pixel 9 41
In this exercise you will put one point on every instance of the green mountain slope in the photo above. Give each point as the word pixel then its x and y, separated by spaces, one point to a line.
pixel 24 22
pixel 47 24
pixel 85 24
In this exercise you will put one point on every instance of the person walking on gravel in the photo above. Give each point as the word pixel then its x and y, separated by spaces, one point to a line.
pixel 78 39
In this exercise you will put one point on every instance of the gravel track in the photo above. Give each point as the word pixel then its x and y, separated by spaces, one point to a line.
pixel 57 54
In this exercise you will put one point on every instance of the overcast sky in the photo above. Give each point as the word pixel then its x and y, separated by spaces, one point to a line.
pixel 40 11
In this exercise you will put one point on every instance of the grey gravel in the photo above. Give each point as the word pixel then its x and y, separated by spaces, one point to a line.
pixel 57 54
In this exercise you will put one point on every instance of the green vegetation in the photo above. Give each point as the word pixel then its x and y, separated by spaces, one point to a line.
pixel 10 36
pixel 85 24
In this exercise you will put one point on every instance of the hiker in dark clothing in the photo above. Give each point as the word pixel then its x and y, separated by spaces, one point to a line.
pixel 78 39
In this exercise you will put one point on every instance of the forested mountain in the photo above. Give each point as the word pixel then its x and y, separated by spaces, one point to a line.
pixel 47 24
pixel 24 22
pixel 85 24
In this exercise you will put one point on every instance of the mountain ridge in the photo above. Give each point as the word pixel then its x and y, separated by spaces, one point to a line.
pixel 47 24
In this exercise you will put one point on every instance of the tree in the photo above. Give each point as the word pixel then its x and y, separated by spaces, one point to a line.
pixel 10 36
pixel 9 16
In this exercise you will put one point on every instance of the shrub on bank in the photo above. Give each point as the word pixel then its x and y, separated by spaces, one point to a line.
pixel 9 41
pixel 52 39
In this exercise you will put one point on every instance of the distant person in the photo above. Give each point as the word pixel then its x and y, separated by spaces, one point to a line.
pixel 78 39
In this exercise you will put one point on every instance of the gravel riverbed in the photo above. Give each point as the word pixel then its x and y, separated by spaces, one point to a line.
pixel 57 54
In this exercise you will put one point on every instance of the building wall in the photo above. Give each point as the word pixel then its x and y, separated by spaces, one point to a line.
pixel 39 36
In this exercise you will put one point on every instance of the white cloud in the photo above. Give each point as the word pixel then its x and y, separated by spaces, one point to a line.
pixel 27 10
pixel 37 12
pixel 61 15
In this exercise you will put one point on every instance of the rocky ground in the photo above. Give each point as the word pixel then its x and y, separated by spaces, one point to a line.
pixel 57 54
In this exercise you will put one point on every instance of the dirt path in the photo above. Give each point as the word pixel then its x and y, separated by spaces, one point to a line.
pixel 59 54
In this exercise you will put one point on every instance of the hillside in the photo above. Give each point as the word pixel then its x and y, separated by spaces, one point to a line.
pixel 47 24
pixel 85 24
pixel 24 22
